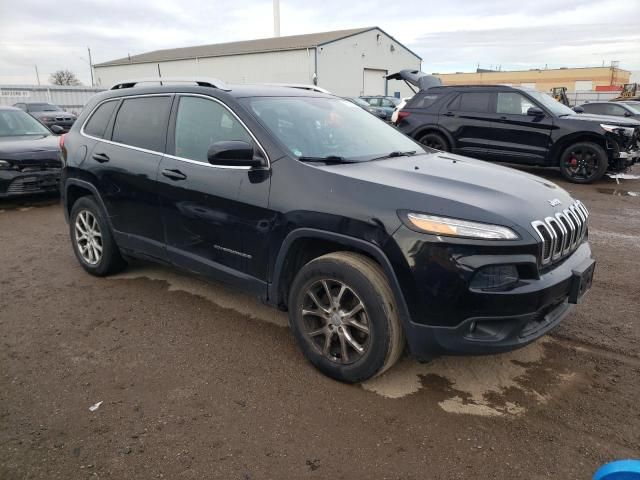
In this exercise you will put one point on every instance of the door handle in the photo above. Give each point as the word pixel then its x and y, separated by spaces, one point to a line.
pixel 174 174
pixel 101 157
pixel 449 114
pixel 503 119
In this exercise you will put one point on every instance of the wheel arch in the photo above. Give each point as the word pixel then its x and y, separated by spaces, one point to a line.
pixel 563 143
pixel 74 189
pixel 295 252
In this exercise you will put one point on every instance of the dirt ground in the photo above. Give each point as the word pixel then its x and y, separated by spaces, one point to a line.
pixel 197 381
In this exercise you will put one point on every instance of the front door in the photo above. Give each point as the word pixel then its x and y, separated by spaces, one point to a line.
pixel 516 136
pixel 215 217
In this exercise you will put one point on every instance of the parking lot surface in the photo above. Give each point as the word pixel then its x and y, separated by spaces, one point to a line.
pixel 197 381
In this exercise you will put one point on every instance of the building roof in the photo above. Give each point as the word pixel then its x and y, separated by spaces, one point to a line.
pixel 261 45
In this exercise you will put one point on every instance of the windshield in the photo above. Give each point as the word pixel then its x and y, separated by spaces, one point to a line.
pixel 15 123
pixel 42 107
pixel 633 108
pixel 551 104
pixel 321 127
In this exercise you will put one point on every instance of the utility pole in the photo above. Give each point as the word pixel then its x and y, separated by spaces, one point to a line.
pixel 276 18
pixel 90 65
pixel 37 75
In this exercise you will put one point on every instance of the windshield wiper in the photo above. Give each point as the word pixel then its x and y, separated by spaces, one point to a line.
pixel 328 159
pixel 396 154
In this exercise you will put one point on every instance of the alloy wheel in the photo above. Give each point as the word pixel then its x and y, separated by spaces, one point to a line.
pixel 335 321
pixel 582 163
pixel 434 142
pixel 88 237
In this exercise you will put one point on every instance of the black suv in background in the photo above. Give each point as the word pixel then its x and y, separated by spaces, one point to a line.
pixel 321 209
pixel 517 125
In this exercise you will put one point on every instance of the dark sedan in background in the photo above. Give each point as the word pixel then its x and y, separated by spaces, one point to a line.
pixel 29 160
pixel 628 109
pixel 378 112
pixel 49 114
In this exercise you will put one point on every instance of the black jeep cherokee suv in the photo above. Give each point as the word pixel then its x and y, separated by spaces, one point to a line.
pixel 519 125
pixel 321 209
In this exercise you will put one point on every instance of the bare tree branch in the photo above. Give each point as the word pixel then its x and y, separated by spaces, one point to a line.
pixel 64 77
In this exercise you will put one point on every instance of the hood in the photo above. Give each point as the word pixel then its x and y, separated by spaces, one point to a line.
pixel 460 187
pixel 608 119
pixel 30 148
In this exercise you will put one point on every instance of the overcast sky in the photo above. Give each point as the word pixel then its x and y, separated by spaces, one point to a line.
pixel 452 35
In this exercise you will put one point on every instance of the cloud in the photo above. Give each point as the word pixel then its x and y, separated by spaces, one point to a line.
pixel 450 36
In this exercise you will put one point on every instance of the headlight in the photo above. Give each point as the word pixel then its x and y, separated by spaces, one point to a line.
pixel 628 131
pixel 459 228
pixel 47 119
pixel 4 165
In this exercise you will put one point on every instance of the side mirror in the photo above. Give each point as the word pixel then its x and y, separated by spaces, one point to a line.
pixel 57 129
pixel 234 153
pixel 627 114
pixel 578 109
pixel 535 112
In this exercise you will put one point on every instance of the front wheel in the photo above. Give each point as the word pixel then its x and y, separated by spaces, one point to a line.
pixel 344 317
pixel 583 162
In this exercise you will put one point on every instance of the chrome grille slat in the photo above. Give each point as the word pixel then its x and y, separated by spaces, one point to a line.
pixel 561 234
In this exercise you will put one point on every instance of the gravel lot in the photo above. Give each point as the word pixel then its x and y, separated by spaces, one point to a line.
pixel 197 381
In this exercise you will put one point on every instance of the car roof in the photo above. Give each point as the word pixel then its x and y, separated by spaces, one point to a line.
pixel 7 107
pixel 480 87
pixel 238 91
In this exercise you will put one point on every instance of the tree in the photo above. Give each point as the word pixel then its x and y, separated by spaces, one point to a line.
pixel 64 77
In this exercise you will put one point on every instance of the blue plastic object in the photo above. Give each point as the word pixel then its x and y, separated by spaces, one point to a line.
pixel 619 470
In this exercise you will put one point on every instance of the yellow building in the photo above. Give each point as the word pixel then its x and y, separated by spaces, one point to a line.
pixel 574 79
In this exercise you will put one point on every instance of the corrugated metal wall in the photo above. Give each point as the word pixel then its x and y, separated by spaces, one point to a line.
pixel 72 99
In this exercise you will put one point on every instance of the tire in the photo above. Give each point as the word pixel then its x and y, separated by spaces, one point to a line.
pixel 583 162
pixel 435 141
pixel 90 232
pixel 377 329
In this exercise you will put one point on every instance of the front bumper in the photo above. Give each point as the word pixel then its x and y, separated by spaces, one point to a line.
pixel 15 183
pixel 457 320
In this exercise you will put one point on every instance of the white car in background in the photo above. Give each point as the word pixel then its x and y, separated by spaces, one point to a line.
pixel 400 106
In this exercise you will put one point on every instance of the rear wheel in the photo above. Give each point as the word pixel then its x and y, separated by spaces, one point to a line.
pixel 344 317
pixel 91 238
pixel 435 141
pixel 583 162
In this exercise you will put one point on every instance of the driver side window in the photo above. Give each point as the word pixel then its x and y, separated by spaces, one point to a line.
pixel 512 103
pixel 201 122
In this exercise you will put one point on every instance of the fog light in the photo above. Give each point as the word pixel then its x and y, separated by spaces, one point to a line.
pixel 495 276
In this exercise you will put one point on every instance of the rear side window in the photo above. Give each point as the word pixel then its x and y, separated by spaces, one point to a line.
pixel 474 102
pixel 200 123
pixel 426 101
pixel 97 123
pixel 142 122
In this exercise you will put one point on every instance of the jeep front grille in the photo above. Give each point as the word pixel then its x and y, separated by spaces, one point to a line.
pixel 562 233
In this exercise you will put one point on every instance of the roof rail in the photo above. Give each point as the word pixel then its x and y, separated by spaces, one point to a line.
pixel 202 82
pixel 301 86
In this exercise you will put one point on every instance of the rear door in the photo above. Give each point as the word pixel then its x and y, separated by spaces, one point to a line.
pixel 125 163
pixel 515 136
pixel 468 117
pixel 215 217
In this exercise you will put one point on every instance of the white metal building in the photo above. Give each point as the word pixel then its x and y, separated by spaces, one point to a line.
pixel 345 62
